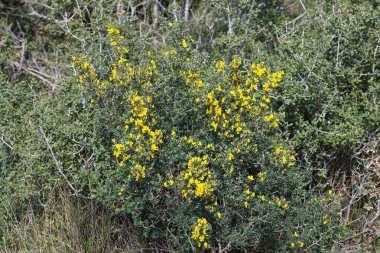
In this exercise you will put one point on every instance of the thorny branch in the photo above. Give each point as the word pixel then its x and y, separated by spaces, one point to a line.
pixel 58 163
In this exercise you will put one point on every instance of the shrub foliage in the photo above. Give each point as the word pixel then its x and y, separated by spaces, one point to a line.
pixel 200 155
pixel 212 125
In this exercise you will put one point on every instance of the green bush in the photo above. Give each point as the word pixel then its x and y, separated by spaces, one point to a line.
pixel 329 98
pixel 56 134
pixel 200 156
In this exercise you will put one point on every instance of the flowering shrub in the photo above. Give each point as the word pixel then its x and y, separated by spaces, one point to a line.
pixel 200 155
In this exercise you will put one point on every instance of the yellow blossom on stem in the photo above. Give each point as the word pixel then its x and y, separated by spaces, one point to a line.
pixel 184 44
pixel 201 233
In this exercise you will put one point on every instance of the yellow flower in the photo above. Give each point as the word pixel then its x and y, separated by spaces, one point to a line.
pixel 250 178
pixel 258 70
pixel 266 87
pixel 262 176
pixel 235 63
pixel 200 232
pixel 266 99
pixel 219 66
pixel 268 118
pixel 153 147
pixel 184 44
pixel 214 125
pixel 112 30
pixel 283 159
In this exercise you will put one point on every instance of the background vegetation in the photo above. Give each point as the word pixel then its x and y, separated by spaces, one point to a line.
pixel 58 177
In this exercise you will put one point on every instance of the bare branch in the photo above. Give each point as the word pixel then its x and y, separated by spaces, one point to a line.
pixel 3 140
pixel 58 163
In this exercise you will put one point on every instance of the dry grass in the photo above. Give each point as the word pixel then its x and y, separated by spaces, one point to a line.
pixel 69 224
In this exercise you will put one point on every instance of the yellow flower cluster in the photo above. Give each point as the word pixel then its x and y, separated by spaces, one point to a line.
pixel 325 219
pixel 184 44
pixel 140 122
pixel 116 38
pixel 300 243
pixel 230 106
pixel 258 70
pixel 197 181
pixel 171 52
pixel 272 79
pixel 192 142
pixel 281 202
pixel 121 191
pixel 138 171
pixel 121 73
pixel 141 142
pixel 261 176
pixel 293 244
pixel 285 156
pixel 201 233
pixel 250 196
pixel 229 118
pixel 192 78
pixel 220 66
pixel 86 70
pixel 236 63
pixel 275 78
pixel 169 182
pixel 272 119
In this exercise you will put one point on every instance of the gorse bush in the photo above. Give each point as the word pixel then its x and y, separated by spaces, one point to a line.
pixel 174 128
pixel 200 156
